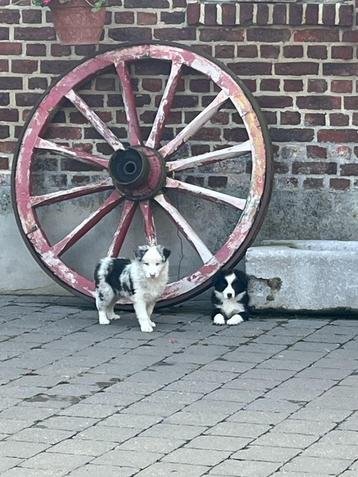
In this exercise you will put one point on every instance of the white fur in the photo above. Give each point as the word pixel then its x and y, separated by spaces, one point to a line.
pixel 235 320
pixel 219 319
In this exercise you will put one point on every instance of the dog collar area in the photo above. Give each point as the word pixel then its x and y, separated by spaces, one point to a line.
pixel 137 172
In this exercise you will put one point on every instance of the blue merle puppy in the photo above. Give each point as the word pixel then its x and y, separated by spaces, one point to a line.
pixel 229 298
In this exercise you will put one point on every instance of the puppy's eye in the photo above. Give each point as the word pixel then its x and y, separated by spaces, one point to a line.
pixel 157 264
pixel 147 264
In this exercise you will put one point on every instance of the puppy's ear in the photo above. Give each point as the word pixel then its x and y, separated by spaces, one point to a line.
pixel 166 252
pixel 140 252
pixel 242 277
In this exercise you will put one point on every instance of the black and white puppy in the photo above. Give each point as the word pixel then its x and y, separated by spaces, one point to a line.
pixel 141 280
pixel 229 298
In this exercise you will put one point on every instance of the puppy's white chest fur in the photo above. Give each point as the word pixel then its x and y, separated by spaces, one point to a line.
pixel 230 306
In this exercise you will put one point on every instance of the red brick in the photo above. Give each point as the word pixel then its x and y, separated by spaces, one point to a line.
pixel 293 85
pixel 351 102
pixel 319 102
pixel 145 4
pixel 179 3
pixel 8 147
pixel 130 34
pixel 355 119
pixel 32 33
pixel 247 51
pixel 4 33
pixel 10 48
pixel 224 51
pixel 35 49
pixel 293 51
pixel 4 131
pixel 193 13
pixel 262 14
pixel 200 85
pixel 146 18
pixel 246 14
pixel 292 135
pixel 295 14
pixel 346 15
pixel 350 36
pixel 152 84
pixel 290 117
pixel 341 86
pixel 268 35
pixel 340 184
pixel 314 168
pixel 9 16
pixel 9 115
pixel 317 51
pixel 24 66
pixel 317 85
pixel 10 82
pixel 311 14
pixel 235 134
pixel 56 66
pixel 338 135
pixel 274 102
pixel 338 119
pixel 4 99
pixel 270 85
pixel 124 18
pixel 342 52
pixel 269 51
pixel 279 16
pixel 220 34
pixel 217 181
pixel 317 35
pixel 270 117
pixel 340 69
pixel 329 14
pixel 316 152
pixel 251 68
pixel 312 183
pixel 209 14
pixel 60 50
pixel 31 16
pixel 296 68
pixel 188 33
pixel 228 14
pixel 4 163
pixel 37 83
pixel 349 170
pixel 105 84
pixel 315 119
pixel 172 18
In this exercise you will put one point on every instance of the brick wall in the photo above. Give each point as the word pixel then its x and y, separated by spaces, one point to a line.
pixel 298 59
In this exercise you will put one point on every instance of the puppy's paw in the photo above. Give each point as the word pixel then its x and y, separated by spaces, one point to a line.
pixel 146 328
pixel 235 320
pixel 219 319
pixel 103 321
pixel 114 317
pixel 153 324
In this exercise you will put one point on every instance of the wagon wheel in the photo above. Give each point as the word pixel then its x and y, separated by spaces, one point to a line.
pixel 140 175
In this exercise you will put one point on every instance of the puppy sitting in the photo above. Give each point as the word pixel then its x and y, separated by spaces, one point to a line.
pixel 141 280
pixel 229 298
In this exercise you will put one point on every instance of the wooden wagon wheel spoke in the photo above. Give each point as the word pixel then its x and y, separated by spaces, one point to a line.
pixel 208 157
pixel 134 132
pixel 63 245
pixel 165 105
pixel 52 198
pixel 76 154
pixel 208 194
pixel 149 226
pixel 119 236
pixel 95 120
pixel 194 126
pixel 185 228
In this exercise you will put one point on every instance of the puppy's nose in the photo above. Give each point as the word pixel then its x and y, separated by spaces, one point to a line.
pixel 229 295
pixel 152 275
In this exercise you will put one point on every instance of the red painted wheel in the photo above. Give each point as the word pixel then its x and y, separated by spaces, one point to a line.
pixel 141 174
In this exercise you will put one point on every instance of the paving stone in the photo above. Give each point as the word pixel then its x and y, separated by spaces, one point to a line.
pixel 82 447
pixel 108 433
pixel 50 460
pixel 8 462
pixel 26 472
pixel 164 469
pixel 152 444
pixel 46 436
pixel 224 443
pixel 316 464
pixel 90 470
pixel 246 431
pixel 279 439
pixel 69 423
pixel 131 420
pixel 11 448
pixel 266 453
pixel 298 426
pixel 196 456
pixel 180 431
pixel 128 458
pixel 244 468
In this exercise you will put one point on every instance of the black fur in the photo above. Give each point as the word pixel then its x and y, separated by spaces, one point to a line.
pixel 239 286
pixel 114 272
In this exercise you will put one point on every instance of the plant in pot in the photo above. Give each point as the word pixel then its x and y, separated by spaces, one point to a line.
pixel 77 22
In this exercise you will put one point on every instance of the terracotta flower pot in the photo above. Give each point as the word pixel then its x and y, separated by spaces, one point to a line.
pixel 76 23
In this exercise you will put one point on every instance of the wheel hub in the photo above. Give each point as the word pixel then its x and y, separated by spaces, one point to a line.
pixel 137 172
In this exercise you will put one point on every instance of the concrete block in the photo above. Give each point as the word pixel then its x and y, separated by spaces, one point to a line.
pixel 303 275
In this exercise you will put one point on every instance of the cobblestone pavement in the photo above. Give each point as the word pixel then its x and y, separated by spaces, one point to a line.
pixel 271 397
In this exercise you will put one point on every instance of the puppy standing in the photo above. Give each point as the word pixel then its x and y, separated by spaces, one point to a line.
pixel 142 280
pixel 229 298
